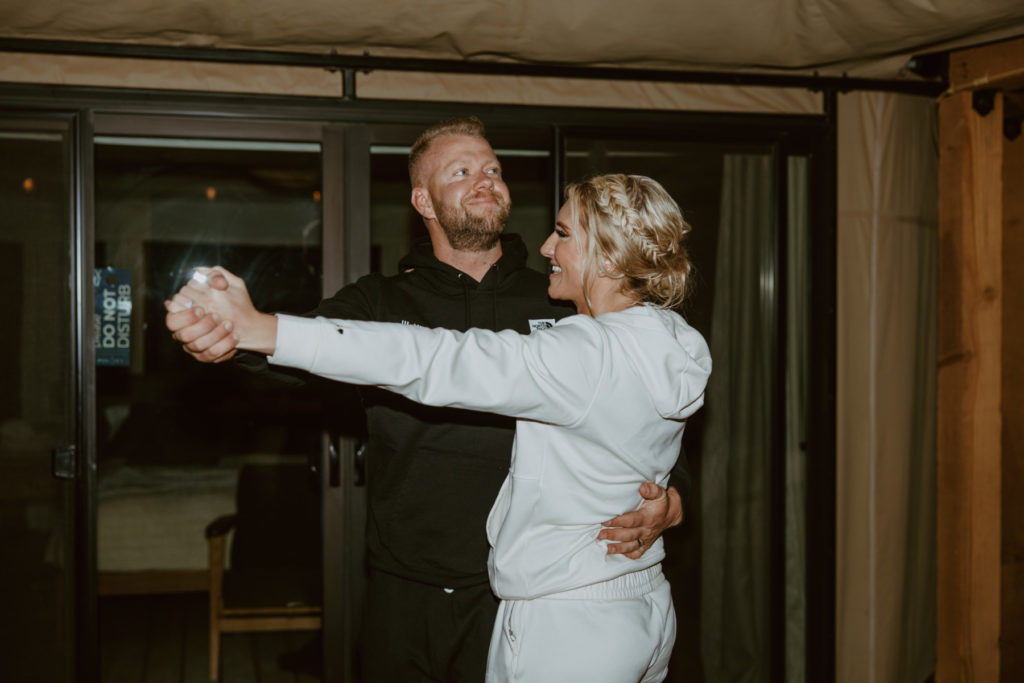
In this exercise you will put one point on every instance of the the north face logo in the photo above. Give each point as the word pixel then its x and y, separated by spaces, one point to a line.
pixel 541 324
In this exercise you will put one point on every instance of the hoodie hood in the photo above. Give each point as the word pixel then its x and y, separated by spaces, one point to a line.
pixel 476 297
pixel 675 372
pixel 421 257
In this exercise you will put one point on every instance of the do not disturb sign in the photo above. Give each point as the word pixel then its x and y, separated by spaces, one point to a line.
pixel 113 288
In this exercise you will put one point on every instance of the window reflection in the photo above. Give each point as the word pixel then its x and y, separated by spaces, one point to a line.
pixel 173 434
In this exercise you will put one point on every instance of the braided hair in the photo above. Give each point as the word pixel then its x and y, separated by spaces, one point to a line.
pixel 635 233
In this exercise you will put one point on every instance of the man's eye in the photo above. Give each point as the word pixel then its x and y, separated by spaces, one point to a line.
pixel 461 171
pixel 494 171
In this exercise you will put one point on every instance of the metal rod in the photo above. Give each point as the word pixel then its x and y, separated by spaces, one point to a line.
pixel 367 63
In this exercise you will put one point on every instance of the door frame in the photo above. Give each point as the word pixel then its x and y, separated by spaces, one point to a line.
pixel 74 125
pixel 337 264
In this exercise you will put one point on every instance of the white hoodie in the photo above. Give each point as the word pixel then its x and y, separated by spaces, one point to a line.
pixel 601 404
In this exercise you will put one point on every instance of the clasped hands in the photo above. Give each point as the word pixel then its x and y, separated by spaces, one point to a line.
pixel 213 317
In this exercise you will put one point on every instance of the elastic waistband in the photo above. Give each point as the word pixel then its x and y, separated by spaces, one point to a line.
pixel 630 585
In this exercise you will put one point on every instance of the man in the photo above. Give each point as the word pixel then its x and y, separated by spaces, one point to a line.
pixel 434 473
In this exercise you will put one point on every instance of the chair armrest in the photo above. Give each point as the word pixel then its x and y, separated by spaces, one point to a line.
pixel 221 526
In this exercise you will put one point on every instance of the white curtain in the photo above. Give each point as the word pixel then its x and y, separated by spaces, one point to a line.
pixel 886 369
pixel 736 451
pixel 886 376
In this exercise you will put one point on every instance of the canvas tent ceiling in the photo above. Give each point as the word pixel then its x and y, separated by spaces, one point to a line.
pixel 867 38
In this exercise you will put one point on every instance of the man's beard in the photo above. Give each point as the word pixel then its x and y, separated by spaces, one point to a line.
pixel 473 232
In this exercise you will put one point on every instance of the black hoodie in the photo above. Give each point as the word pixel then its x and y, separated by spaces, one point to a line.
pixel 433 473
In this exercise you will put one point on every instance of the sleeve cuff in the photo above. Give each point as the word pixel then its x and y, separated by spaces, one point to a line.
pixel 296 341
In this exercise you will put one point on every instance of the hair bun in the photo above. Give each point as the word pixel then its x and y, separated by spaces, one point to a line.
pixel 632 221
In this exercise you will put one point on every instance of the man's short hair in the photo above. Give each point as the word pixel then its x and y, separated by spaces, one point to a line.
pixel 469 126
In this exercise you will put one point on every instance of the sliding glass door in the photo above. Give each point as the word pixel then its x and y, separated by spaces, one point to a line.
pixel 40 436
pixel 185 450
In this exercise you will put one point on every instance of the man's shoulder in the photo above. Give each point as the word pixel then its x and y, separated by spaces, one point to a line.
pixel 373 284
pixel 408 297
pixel 355 301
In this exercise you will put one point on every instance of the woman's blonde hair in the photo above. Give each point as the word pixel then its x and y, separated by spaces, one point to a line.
pixel 635 232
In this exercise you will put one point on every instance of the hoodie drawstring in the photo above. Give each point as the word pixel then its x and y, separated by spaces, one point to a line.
pixel 494 299
pixel 467 306
pixel 465 300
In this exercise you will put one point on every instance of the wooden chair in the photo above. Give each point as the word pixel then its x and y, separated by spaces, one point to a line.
pixel 274 582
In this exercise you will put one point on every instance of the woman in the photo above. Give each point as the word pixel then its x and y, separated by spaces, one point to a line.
pixel 601 400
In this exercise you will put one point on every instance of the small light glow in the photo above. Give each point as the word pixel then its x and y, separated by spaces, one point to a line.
pixel 316 195
pixel 28 184
pixel 211 192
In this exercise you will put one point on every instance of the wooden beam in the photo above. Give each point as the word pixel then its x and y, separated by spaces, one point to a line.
pixel 1012 635
pixel 997 65
pixel 153 581
pixel 969 391
pixel 300 623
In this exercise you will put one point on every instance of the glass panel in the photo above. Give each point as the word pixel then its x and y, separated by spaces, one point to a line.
pixel 179 443
pixel 721 562
pixel 37 402
pixel 396 226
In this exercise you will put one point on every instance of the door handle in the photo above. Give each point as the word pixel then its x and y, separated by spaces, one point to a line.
pixel 333 464
pixel 359 465
pixel 64 462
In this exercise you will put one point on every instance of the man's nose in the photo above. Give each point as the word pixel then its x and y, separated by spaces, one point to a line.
pixel 484 179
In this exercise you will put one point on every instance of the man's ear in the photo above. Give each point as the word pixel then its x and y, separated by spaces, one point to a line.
pixel 420 201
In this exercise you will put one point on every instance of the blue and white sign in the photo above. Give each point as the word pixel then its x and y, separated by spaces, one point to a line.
pixel 113 287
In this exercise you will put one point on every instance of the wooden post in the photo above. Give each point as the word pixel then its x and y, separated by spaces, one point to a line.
pixel 969 385
pixel 1012 585
pixel 980 563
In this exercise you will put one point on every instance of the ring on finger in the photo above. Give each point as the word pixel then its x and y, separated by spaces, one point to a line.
pixel 190 304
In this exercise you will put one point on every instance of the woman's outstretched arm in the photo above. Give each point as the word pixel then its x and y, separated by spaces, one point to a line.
pixel 549 376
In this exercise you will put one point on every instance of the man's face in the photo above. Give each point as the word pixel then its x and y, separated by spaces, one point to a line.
pixel 470 200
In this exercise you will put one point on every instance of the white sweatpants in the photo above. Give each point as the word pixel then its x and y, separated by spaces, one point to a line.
pixel 618 631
